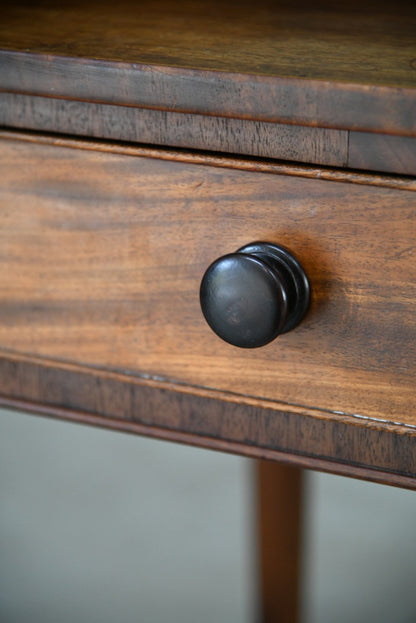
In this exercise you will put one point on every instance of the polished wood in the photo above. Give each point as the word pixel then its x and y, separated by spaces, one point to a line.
pixel 254 294
pixel 277 39
pixel 91 275
pixel 103 244
pixel 208 418
pixel 280 540
pixel 284 62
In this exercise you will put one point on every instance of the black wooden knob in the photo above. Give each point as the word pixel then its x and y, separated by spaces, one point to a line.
pixel 253 295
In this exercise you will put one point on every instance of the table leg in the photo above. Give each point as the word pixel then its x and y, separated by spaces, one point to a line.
pixel 279 491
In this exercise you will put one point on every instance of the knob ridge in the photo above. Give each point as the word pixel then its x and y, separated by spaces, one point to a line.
pixel 251 296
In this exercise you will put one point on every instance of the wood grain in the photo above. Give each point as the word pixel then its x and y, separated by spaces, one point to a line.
pixel 102 256
pixel 290 39
pixel 223 161
pixel 348 446
pixel 357 150
pixel 284 62
pixel 155 127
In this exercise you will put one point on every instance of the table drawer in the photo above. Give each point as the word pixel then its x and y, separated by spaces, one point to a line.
pixel 102 255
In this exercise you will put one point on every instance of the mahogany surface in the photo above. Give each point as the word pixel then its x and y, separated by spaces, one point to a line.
pixel 103 244
pixel 290 62
pixel 189 131
pixel 92 276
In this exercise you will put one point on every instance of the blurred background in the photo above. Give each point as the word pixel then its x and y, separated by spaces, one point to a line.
pixel 97 526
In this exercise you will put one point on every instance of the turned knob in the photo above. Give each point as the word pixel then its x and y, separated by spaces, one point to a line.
pixel 253 295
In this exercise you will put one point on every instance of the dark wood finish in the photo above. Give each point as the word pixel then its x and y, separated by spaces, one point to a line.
pixel 222 134
pixel 254 294
pixel 290 39
pixel 102 246
pixel 284 62
pixel 358 447
pixel 393 154
pixel 279 529
pixel 92 276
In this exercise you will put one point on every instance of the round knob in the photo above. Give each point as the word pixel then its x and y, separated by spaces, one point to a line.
pixel 253 295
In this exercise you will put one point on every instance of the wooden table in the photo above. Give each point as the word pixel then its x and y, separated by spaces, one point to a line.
pixel 140 142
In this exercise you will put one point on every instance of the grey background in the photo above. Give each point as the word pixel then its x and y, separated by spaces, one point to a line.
pixel 97 526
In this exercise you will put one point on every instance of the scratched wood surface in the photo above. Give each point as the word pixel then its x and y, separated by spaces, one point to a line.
pixel 345 65
pixel 102 256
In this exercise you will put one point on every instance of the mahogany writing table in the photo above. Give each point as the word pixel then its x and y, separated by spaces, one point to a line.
pixel 140 142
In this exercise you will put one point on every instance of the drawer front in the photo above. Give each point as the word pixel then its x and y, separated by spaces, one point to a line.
pixel 102 256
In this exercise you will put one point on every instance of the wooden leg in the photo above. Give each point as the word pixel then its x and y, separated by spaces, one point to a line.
pixel 279 541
